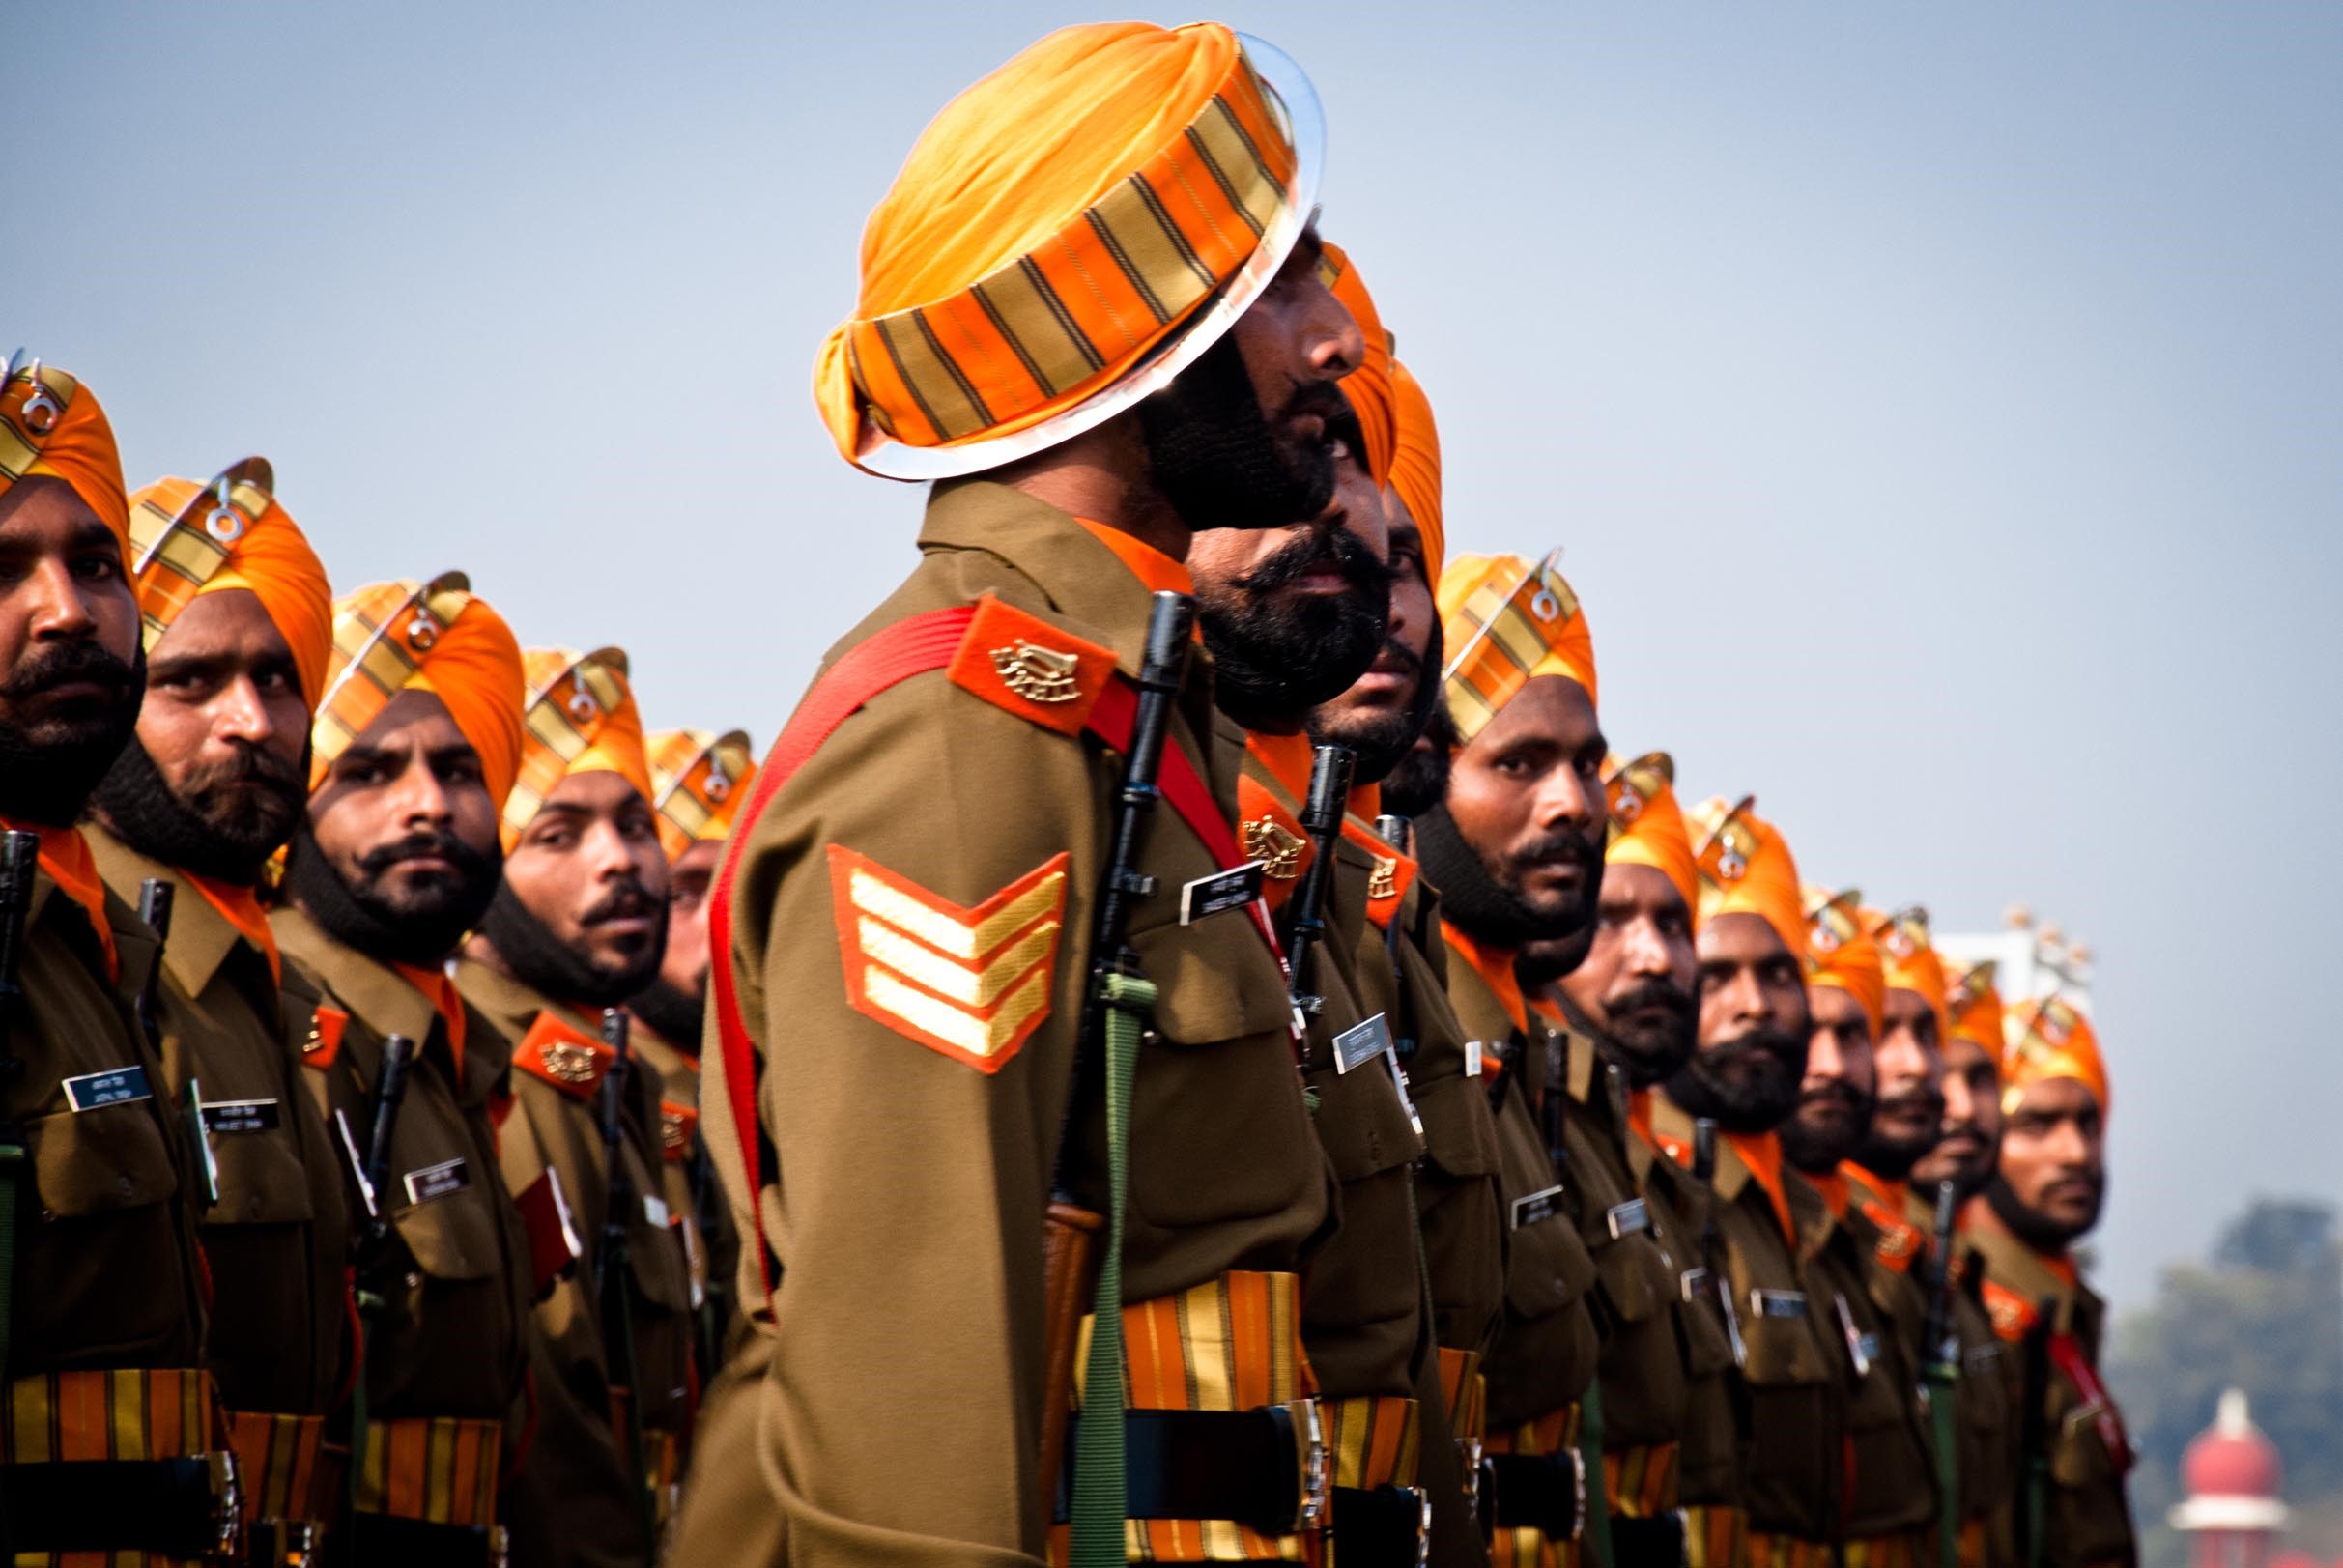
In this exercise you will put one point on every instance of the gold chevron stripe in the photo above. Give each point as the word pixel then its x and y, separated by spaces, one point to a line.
pixel 955 1026
pixel 960 939
pixel 955 982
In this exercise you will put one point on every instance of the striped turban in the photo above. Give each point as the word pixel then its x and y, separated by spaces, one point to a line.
pixel 2045 1040
pixel 52 427
pixel 1747 869
pixel 1415 466
pixel 424 636
pixel 1368 387
pixel 1505 622
pixel 579 716
pixel 1910 956
pixel 1973 1005
pixel 699 780
pixel 1840 953
pixel 1648 825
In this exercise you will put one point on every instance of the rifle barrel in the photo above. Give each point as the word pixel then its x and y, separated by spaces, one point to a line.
pixel 1330 768
pixel 391 1088
pixel 19 860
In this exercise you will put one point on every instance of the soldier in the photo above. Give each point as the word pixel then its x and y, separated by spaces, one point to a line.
pixel 1516 851
pixel 1668 1432
pixel 579 924
pixel 239 624
pixel 941 805
pixel 2044 1197
pixel 1859 1254
pixel 113 1441
pixel 414 747
pixel 1745 1077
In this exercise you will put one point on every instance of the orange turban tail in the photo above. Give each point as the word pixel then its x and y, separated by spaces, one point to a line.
pixel 397 636
pixel 1055 222
pixel 2048 1039
pixel 63 435
pixel 1747 869
pixel 698 782
pixel 1840 953
pixel 186 541
pixel 1507 622
pixel 1648 825
pixel 1416 467
pixel 1912 961
pixel 1369 387
pixel 581 718
pixel 1974 1006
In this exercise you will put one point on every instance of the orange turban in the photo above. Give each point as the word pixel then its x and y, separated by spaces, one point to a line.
pixel 1841 954
pixel 1369 387
pixel 579 717
pixel 1415 466
pixel 1747 869
pixel 1648 825
pixel 1973 1005
pixel 2048 1039
pixel 1912 964
pixel 52 427
pixel 1055 223
pixel 1505 623
pixel 408 637
pixel 189 539
pixel 699 780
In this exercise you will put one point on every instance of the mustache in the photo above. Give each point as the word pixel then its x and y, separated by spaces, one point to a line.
pixel 1321 548
pixel 1561 844
pixel 1923 1102
pixel 1833 1093
pixel 1402 655
pixel 1650 993
pixel 1325 400
pixel 626 899
pixel 250 764
pixel 420 845
pixel 68 662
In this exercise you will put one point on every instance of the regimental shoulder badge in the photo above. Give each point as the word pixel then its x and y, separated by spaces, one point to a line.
pixel 1393 873
pixel 1271 835
pixel 1019 662
pixel 968 982
pixel 323 1045
pixel 2012 1314
pixel 569 1058
pixel 1898 1239
pixel 679 1126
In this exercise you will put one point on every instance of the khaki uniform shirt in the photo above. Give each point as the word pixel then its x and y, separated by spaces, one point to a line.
pixel 902 1194
pixel 278 1239
pixel 1710 1460
pixel 573 1503
pixel 703 1220
pixel 1864 1305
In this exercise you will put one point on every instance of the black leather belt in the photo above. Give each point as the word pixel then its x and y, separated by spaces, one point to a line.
pixel 387 1541
pixel 1546 1492
pixel 1647 1543
pixel 1382 1527
pixel 1239 1465
pixel 171 1507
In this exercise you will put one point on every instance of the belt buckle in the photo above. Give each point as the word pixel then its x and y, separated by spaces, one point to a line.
pixel 499 1547
pixel 227 1504
pixel 1578 1476
pixel 1423 1525
pixel 1468 1450
pixel 1317 1497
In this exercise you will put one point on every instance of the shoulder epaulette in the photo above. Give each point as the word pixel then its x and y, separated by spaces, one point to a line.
pixel 1270 833
pixel 1023 665
pixel 1899 1238
pixel 2013 1315
pixel 1393 874
pixel 679 1126
pixel 322 1046
pixel 569 1058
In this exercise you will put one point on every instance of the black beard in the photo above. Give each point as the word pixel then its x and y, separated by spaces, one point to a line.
pixel 1648 1055
pixel 1743 1104
pixel 1894 1157
pixel 675 1016
pixel 1484 907
pixel 1816 1153
pixel 360 918
pixel 1272 666
pixel 553 968
pixel 1214 456
pixel 2032 1227
pixel 46 778
pixel 1382 740
pixel 1421 780
pixel 231 843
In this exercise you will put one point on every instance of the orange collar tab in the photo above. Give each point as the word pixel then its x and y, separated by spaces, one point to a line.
pixel 568 1058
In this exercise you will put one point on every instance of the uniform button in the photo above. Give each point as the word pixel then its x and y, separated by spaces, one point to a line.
pixel 414 1280
pixel 252 1205
pixel 126 1185
pixel 1562 1286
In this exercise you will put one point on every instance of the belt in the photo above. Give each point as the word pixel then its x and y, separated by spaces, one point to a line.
pixel 287 1480
pixel 384 1541
pixel 1656 1542
pixel 431 1469
pixel 1250 1466
pixel 1546 1492
pixel 1383 1526
pixel 170 1508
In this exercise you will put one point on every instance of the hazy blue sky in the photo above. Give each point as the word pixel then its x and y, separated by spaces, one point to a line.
pixel 1939 405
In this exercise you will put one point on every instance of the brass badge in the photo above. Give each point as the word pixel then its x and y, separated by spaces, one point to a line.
pixel 673 1131
pixel 1037 673
pixel 1280 850
pixel 1384 883
pixel 571 1064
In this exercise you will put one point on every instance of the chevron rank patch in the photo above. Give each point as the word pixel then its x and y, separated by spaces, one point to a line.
pixel 1038 672
pixel 970 982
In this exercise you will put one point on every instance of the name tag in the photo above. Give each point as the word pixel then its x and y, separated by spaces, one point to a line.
pixel 1627 1218
pixel 1860 1345
pixel 1787 1305
pixel 656 1210
pixel 1534 1207
pixel 1361 1042
pixel 95 1088
pixel 1982 1359
pixel 437 1180
pixel 222 1117
pixel 1472 1058
pixel 1232 889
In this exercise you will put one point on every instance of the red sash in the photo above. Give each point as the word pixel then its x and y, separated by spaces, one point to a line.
pixel 2066 1355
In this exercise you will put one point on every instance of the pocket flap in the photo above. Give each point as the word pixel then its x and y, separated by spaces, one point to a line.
pixel 1360 1123
pixel 99 1162
pixel 262 1181
pixel 1783 1351
pixel 1548 1268
pixel 1196 1002
pixel 454 1236
pixel 1459 1136
pixel 1631 1268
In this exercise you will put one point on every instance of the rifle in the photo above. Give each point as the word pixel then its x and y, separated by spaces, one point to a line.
pixel 1322 820
pixel 1120 997
pixel 1705 1172
pixel 2033 1438
pixel 19 859
pixel 368 1239
pixel 1940 1373
pixel 155 895
pixel 612 1289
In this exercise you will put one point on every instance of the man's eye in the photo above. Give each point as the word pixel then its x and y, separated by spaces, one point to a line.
pixel 99 568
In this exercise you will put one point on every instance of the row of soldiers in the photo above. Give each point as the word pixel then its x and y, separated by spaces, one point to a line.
pixel 1193 941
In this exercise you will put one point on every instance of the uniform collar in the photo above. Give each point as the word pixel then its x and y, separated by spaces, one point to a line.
pixel 1492 987
pixel 2023 1271
pixel 202 937
pixel 377 995
pixel 513 1005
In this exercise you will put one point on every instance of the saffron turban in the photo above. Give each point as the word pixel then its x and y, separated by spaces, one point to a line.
pixel 1747 869
pixel 52 427
pixel 1369 387
pixel 1648 825
pixel 1415 466
pixel 189 539
pixel 1112 185
pixel 2046 1040
pixel 579 716
pixel 699 780
pixel 1973 1005
pixel 424 636
pixel 1839 953
pixel 1505 623
pixel 1910 956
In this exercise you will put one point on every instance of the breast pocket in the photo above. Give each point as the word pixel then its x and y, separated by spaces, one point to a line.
pixel 262 1181
pixel 106 1160
pixel 106 1185
pixel 1792 1462
pixel 452 1234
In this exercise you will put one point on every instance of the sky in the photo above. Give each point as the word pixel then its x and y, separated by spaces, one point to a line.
pixel 1940 407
